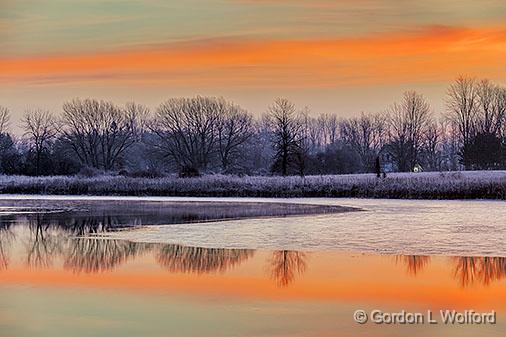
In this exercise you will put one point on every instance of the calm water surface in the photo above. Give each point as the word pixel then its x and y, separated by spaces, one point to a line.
pixel 93 268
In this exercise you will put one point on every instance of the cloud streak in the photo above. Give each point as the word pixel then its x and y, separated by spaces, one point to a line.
pixel 427 54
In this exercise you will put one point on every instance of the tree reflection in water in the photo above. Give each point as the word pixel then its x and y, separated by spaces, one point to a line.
pixel 285 265
pixel 43 245
pixel 6 238
pixel 482 270
pixel 198 260
pixel 50 237
pixel 492 269
pixel 94 255
pixel 80 226
pixel 76 241
pixel 414 263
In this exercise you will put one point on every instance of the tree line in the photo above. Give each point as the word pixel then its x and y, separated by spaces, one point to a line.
pixel 196 135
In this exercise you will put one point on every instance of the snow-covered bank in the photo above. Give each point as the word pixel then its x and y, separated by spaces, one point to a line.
pixel 431 185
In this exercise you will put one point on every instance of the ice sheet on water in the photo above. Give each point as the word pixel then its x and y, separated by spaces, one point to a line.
pixel 412 227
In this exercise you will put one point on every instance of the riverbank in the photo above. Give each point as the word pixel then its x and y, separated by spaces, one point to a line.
pixel 430 185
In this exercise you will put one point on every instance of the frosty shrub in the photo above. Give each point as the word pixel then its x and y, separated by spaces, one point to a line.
pixel 451 185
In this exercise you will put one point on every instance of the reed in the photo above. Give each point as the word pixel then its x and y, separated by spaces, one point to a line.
pixel 430 185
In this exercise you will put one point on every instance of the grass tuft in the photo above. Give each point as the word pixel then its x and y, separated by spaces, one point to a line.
pixel 430 185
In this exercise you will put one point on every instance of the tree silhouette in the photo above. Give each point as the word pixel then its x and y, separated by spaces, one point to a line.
pixel 286 135
pixel 99 132
pixel 484 151
pixel 408 119
pixel 40 130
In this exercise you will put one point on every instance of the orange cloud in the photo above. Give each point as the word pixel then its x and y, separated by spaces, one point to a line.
pixel 433 54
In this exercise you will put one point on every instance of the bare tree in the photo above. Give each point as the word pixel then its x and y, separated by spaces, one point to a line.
pixel 479 110
pixel 287 135
pixel 5 116
pixel 233 129
pixel 432 145
pixel 138 116
pixel 7 145
pixel 366 135
pixel 40 129
pixel 310 138
pixel 492 108
pixel 462 106
pixel 309 127
pixel 186 128
pixel 448 133
pixel 260 152
pixel 320 131
pixel 330 128
pixel 99 132
pixel 408 121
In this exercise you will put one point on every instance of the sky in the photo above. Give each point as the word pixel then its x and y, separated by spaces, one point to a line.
pixel 334 56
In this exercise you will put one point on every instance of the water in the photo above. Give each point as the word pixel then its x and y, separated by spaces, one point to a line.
pixel 409 227
pixel 93 267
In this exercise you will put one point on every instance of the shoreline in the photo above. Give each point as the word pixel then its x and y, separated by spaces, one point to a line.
pixel 468 185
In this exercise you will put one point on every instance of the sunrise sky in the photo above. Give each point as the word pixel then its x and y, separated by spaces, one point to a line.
pixel 336 56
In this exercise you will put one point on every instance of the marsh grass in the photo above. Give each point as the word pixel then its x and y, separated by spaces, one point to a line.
pixel 430 185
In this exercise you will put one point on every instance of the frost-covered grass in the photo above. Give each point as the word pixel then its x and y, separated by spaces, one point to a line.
pixel 431 185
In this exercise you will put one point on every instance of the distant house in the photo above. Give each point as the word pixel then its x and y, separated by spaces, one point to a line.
pixel 418 168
